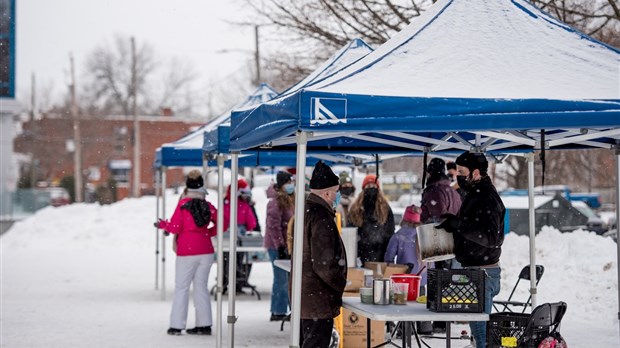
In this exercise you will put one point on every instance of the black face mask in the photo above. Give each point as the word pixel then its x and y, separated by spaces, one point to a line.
pixel 347 191
pixel 464 182
pixel 370 198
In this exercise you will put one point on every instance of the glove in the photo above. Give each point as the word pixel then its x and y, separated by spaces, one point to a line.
pixel 283 254
pixel 159 224
pixel 450 224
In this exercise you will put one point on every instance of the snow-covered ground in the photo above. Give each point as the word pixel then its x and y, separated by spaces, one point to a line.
pixel 84 276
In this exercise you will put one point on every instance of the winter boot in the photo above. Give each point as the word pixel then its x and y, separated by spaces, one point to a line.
pixel 174 332
pixel 199 330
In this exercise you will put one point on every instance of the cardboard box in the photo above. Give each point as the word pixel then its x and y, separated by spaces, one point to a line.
pixel 354 327
pixel 373 267
pixel 394 269
pixel 355 279
pixel 386 270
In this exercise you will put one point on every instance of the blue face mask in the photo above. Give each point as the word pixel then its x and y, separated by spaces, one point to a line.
pixel 337 201
pixel 289 188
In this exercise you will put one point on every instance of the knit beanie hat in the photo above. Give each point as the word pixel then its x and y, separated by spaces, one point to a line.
pixel 370 179
pixel 345 178
pixel 282 178
pixel 473 161
pixel 194 180
pixel 412 214
pixel 436 166
pixel 323 177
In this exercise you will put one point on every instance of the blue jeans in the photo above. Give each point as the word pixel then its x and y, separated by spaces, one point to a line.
pixel 279 290
pixel 491 289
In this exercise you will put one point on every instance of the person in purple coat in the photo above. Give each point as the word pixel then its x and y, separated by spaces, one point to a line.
pixel 403 246
pixel 280 209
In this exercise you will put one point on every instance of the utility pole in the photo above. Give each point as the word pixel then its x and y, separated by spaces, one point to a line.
pixel 257 55
pixel 33 129
pixel 77 139
pixel 136 123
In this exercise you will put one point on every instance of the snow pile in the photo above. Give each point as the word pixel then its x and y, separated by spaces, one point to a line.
pixel 94 259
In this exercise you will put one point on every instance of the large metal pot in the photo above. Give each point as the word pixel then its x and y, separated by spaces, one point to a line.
pixel 435 243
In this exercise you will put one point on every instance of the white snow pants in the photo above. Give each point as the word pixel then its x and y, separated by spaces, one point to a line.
pixel 194 268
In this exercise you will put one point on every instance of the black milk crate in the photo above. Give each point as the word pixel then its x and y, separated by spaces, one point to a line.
pixel 507 330
pixel 455 290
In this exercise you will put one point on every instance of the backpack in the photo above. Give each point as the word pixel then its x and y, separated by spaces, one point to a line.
pixel 554 340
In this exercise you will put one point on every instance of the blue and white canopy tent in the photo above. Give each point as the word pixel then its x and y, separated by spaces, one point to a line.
pixel 487 76
pixel 187 152
pixel 216 145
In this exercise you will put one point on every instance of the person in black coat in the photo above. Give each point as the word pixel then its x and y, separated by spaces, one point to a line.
pixel 324 266
pixel 373 217
pixel 478 229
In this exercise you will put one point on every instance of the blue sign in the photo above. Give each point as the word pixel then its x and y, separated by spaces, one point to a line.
pixel 7 48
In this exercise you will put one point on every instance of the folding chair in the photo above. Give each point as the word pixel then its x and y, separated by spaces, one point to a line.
pixel 524 275
pixel 545 319
pixel 524 330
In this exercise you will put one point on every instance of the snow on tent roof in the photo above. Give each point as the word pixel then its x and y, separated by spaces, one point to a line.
pixel 187 151
pixel 472 67
pixel 498 52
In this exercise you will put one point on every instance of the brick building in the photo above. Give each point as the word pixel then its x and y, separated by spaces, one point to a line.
pixel 107 149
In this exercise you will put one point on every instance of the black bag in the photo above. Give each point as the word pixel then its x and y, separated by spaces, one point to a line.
pixel 200 210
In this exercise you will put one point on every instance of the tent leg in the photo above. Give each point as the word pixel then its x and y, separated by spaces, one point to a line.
pixel 532 220
pixel 232 250
pixel 157 196
pixel 163 237
pixel 220 252
pixel 298 238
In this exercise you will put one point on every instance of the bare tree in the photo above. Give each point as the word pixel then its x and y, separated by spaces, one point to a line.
pixel 110 82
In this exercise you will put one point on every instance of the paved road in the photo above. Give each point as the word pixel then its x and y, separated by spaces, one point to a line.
pixel 5 225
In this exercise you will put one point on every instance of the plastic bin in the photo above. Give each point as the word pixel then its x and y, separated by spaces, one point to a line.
pixel 455 290
pixel 413 281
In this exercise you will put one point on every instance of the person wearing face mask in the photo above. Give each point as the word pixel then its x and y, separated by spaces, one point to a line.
pixel 246 221
pixel 347 192
pixel 451 167
pixel 478 229
pixel 438 198
pixel 280 209
pixel 324 261
pixel 373 217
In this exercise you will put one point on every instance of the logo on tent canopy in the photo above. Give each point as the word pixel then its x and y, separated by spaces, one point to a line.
pixel 328 111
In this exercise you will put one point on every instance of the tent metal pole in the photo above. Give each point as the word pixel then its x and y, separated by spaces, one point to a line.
pixel 617 153
pixel 163 238
pixel 220 253
pixel 532 222
pixel 298 240
pixel 232 250
pixel 157 196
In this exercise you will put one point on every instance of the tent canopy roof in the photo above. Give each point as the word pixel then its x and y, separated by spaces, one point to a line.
pixel 466 72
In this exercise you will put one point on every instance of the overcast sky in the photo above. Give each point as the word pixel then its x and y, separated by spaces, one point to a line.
pixel 47 31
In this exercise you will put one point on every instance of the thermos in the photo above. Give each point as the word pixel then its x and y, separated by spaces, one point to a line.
pixel 381 291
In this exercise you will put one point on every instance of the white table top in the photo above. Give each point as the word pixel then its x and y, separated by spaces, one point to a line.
pixel 242 249
pixel 412 311
pixel 283 264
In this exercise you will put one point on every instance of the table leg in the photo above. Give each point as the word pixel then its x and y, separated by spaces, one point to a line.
pixel 406 334
pixel 448 335
pixel 367 332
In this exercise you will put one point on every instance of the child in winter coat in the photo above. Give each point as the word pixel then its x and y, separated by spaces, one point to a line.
pixel 194 222
pixel 403 246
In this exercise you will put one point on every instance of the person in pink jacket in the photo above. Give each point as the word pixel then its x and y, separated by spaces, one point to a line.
pixel 246 221
pixel 193 224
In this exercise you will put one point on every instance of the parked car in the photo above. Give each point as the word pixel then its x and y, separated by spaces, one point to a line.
pixel 594 223
pixel 58 196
